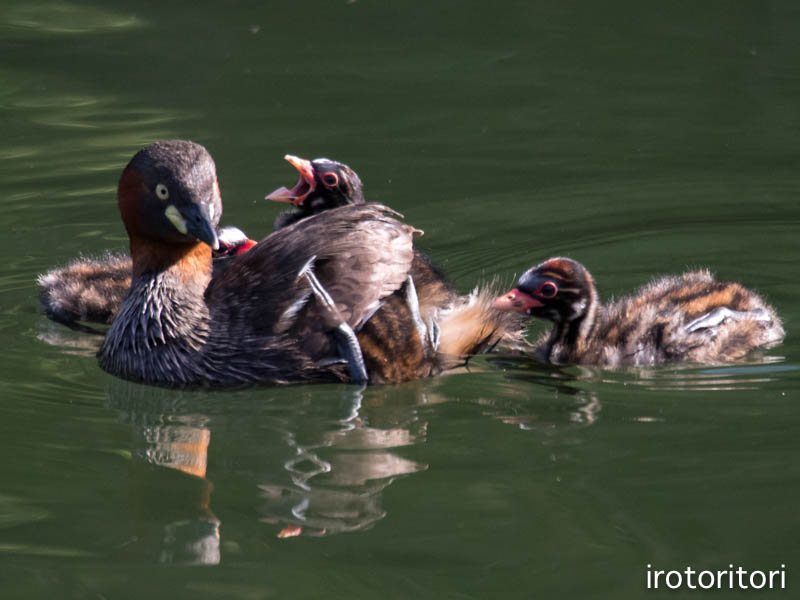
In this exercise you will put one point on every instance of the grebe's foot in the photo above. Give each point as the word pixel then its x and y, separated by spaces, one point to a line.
pixel 350 350
pixel 717 316
pixel 346 341
pixel 433 333
pixel 428 333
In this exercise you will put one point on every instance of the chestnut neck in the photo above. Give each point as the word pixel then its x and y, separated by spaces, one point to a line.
pixel 190 263
pixel 163 324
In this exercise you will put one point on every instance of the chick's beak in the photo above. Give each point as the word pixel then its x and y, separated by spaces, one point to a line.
pixel 304 186
pixel 517 301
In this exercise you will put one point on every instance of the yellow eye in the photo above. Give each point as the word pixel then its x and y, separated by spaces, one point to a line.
pixel 162 192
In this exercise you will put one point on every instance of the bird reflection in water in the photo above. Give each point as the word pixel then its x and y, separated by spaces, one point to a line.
pixel 553 400
pixel 570 396
pixel 315 470
pixel 172 516
pixel 336 481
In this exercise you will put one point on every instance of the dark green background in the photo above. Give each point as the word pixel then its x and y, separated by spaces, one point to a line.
pixel 639 137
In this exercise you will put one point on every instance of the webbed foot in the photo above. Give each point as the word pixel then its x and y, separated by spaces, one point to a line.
pixel 428 333
pixel 346 341
pixel 716 317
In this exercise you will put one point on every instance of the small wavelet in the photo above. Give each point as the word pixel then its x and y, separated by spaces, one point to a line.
pixel 755 374
pixel 66 18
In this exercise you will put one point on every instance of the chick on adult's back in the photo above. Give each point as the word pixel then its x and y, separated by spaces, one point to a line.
pixel 424 328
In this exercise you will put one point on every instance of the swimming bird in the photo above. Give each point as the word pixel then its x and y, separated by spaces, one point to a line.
pixel 690 317
pixel 282 312
pixel 421 329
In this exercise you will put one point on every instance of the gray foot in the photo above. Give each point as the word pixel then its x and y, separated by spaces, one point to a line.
pixel 349 349
pixel 429 334
pixel 346 340
pixel 717 316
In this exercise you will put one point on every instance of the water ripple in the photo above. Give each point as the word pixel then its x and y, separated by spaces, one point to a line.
pixel 65 18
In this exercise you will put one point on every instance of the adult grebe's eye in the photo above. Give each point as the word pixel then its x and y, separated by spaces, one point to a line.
pixel 330 179
pixel 548 289
pixel 162 192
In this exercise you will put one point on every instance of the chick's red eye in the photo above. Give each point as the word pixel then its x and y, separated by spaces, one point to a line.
pixel 548 289
pixel 330 179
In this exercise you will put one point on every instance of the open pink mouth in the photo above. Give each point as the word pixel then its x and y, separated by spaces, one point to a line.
pixel 304 186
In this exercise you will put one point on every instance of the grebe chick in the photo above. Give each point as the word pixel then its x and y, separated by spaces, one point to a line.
pixel 324 184
pixel 91 289
pixel 423 329
pixel 87 289
pixel 690 317
pixel 270 316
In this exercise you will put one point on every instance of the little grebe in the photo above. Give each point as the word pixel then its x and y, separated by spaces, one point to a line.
pixel 270 316
pixel 689 317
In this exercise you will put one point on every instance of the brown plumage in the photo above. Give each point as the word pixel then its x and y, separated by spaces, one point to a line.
pixel 690 317
pixel 397 344
pixel 91 289
pixel 259 319
pixel 87 289
pixel 324 184
pixel 396 350
pixel 265 317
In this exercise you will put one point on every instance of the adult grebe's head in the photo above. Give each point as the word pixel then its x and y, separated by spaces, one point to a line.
pixel 169 193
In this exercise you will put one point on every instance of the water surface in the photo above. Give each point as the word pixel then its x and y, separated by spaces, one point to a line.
pixel 639 139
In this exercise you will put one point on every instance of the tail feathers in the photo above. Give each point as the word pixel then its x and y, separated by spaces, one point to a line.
pixel 472 325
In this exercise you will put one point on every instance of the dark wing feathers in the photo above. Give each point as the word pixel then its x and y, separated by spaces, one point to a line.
pixel 362 255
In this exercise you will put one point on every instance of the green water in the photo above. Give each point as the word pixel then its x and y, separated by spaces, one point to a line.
pixel 639 138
